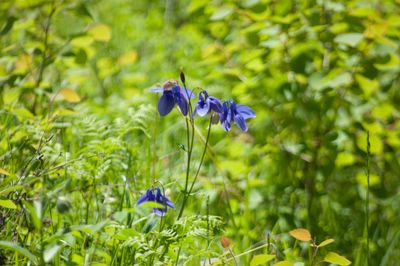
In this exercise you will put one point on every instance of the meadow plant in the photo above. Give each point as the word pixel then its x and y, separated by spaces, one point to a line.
pixel 174 94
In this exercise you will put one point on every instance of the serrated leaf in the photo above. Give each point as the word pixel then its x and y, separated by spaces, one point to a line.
pixel 23 251
pixel 261 259
pixel 326 242
pixel 70 95
pixel 100 32
pixel 301 234
pixel 50 252
pixel 335 258
pixel 3 172
pixel 9 204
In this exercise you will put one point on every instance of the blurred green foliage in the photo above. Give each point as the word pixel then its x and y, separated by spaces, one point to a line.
pixel 81 138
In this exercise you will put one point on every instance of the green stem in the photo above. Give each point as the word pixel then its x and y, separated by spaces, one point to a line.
pixel 202 156
pixel 367 196
pixel 190 140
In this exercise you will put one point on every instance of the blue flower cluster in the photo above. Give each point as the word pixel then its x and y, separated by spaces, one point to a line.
pixel 228 111
pixel 155 195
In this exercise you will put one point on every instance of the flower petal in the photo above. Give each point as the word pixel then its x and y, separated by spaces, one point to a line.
pixel 169 203
pixel 188 93
pixel 215 104
pixel 146 197
pixel 226 125
pixel 245 111
pixel 160 211
pixel 165 104
pixel 240 122
pixel 156 90
pixel 183 105
pixel 202 109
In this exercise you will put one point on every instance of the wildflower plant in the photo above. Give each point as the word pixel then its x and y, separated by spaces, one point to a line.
pixel 223 112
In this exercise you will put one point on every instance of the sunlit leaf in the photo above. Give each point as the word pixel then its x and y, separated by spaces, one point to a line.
pixel 35 213
pixel 283 263
pixel 301 234
pixel 50 252
pixel 69 95
pixel 128 58
pixel 335 258
pixel 100 32
pixel 261 259
pixel 345 159
pixel 326 242
pixel 9 204
pixel 23 113
pixel 374 179
pixel 82 41
pixel 3 172
pixel 350 39
pixel 222 13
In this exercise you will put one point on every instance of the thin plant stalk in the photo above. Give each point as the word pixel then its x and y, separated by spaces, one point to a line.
pixel 190 140
pixel 202 156
pixel 367 196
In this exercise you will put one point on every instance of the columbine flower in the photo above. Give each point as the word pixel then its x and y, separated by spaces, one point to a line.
pixel 173 94
pixel 155 195
pixel 235 113
pixel 206 103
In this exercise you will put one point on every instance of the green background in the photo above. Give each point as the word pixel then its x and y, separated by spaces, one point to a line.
pixel 81 138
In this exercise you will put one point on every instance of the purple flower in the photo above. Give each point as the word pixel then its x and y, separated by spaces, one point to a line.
pixel 155 195
pixel 235 113
pixel 173 94
pixel 206 103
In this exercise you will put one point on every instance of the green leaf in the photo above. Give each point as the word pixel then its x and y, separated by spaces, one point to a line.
pixel 8 26
pixel 3 172
pixel 100 32
pixel 35 213
pixel 9 204
pixel 69 95
pixel 261 259
pixel 350 39
pixel 23 251
pixel 335 258
pixel 222 13
pixel 326 242
pixel 301 234
pixel 283 263
pixel 50 252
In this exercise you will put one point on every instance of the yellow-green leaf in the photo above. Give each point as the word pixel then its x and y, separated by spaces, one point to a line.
pixel 70 95
pixel 9 204
pixel 261 259
pixel 326 242
pixel 301 234
pixel 283 263
pixel 128 58
pixel 100 32
pixel 3 172
pixel 333 257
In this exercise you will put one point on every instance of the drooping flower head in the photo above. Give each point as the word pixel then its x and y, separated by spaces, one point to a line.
pixel 155 195
pixel 206 103
pixel 235 113
pixel 173 94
